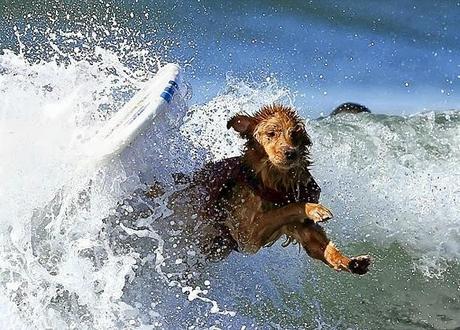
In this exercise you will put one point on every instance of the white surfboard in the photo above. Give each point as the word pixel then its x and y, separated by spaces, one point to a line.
pixel 127 127
pixel 136 116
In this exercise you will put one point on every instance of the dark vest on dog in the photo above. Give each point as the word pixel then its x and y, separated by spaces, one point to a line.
pixel 219 178
pixel 225 174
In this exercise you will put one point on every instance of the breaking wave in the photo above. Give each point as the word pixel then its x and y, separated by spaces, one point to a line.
pixel 393 183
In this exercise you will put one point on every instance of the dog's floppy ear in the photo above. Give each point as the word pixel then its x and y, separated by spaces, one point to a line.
pixel 243 124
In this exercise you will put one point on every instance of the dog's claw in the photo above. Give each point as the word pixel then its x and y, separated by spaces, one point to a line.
pixel 317 212
pixel 359 265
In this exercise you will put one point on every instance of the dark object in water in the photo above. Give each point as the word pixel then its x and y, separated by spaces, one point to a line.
pixel 350 107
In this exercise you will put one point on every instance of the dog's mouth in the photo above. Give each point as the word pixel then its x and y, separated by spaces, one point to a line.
pixel 285 164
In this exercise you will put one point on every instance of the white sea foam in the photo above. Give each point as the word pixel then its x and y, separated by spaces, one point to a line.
pixel 46 111
pixel 394 179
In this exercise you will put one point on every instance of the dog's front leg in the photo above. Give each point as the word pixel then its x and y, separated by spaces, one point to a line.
pixel 269 222
pixel 315 242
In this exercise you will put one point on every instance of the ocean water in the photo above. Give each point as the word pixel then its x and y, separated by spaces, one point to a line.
pixel 103 257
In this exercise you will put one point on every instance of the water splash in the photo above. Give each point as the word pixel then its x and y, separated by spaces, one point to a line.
pixel 66 272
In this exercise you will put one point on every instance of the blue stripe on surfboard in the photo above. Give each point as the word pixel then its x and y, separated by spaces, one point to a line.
pixel 169 91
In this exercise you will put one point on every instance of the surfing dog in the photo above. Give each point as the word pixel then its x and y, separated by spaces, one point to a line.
pixel 248 202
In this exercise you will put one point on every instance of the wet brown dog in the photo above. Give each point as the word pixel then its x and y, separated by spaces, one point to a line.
pixel 248 202
pixel 269 192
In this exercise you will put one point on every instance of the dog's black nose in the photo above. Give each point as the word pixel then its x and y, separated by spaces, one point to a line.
pixel 290 154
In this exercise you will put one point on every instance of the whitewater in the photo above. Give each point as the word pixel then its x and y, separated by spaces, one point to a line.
pixel 393 183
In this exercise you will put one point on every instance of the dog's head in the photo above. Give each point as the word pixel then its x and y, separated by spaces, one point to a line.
pixel 275 132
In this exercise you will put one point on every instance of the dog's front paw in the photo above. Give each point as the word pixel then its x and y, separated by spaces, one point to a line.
pixel 317 212
pixel 359 265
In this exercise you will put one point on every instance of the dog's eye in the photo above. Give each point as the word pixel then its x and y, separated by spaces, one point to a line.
pixel 271 134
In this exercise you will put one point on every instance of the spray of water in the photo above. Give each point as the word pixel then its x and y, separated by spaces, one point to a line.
pixel 391 181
